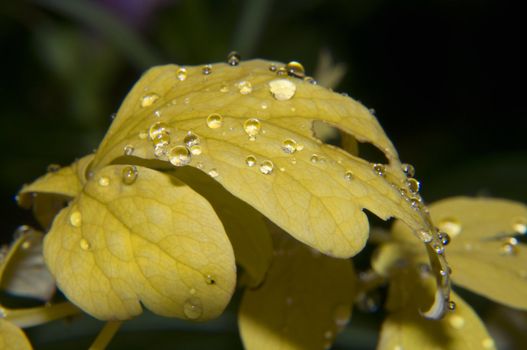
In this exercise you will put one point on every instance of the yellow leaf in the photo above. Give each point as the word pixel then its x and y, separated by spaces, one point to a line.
pixel 245 226
pixel 12 337
pixel 136 235
pixel 251 130
pixel 23 272
pixel 483 253
pixel 303 303
pixel 49 193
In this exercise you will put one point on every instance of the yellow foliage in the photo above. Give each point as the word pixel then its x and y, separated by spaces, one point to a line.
pixel 12 337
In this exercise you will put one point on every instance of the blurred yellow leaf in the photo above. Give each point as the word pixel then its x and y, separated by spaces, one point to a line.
pixel 137 235
pixel 245 226
pixel 304 302
pixel 12 337
pixel 251 130
pixel 483 253
pixel 23 271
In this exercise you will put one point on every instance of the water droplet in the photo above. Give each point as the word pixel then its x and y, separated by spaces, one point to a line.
pixel 379 169
pixel 281 71
pixel 181 74
pixel 444 238
pixel 129 175
pixel 295 69
pixel 519 225
pixel 148 100
pixel 104 181
pixel 53 168
pixel 128 150
pixel 113 115
pixel 509 246
pixel 456 321
pixel 179 155
pixel 452 226
pixel 413 185
pixel 84 244
pixel 192 308
pixel 451 305
pixel 214 121
pixel 341 315
pixel 488 343
pixel 424 235
pixel 348 175
pixel 76 219
pixel 310 80
pixel 191 139
pixel 250 161
pixel 160 143
pixel 245 87
pixel 282 89
pixel 209 279
pixel 289 146
pixel 233 59
pixel 272 67
pixel 206 69
pixel 157 129
pixel 438 248
pixel 252 127
pixel 408 169
pixel 224 88
pixel 415 202
pixel 266 167
pixel 213 173
pixel 196 150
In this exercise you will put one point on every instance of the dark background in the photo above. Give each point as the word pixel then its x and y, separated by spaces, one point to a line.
pixel 444 77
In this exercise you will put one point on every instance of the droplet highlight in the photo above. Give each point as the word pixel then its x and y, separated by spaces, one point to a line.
pixel 206 69
pixel 244 87
pixel 192 308
pixel 158 128
pixel 289 146
pixel 451 226
pixel 128 150
pixel 129 175
pixel 84 244
pixel 295 69
pixel 181 74
pixel 214 121
pixel 191 139
pixel 250 161
pixel 104 181
pixel 148 100
pixel 233 59
pixel 519 225
pixel 179 156
pixel 282 89
pixel 76 219
pixel 348 176
pixel 252 127
pixel 266 167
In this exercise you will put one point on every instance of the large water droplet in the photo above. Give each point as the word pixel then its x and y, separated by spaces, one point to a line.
pixel 129 175
pixel 310 80
pixel 252 127
pixel 272 67
pixel 179 155
pixel 158 128
pixel 282 89
pixel 148 100
pixel 104 181
pixel 456 321
pixel 192 308
pixel 84 244
pixel 452 226
pixel 444 238
pixel 289 146
pixel 250 161
pixel 266 167
pixel 214 121
pixel 206 69
pixel 408 169
pixel 295 69
pixel 128 150
pixel 76 219
pixel 160 144
pixel 181 74
pixel 424 235
pixel 413 185
pixel 519 225
pixel 191 139
pixel 244 87
pixel 509 246
pixel 341 315
pixel 234 58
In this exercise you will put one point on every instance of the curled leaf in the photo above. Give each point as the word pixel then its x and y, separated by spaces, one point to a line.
pixel 135 235
pixel 252 131
pixel 303 303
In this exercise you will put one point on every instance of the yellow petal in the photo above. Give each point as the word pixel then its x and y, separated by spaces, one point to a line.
pixel 251 130
pixel 23 272
pixel 49 193
pixel 245 226
pixel 483 253
pixel 12 337
pixel 146 238
pixel 459 329
pixel 303 303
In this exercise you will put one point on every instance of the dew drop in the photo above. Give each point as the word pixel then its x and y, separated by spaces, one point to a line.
pixel 348 175
pixel 196 150
pixel 157 129
pixel 341 315
pixel 266 167
pixel 148 100
pixel 295 69
pixel 444 238
pixel 213 173
pixel 289 146
pixel 181 74
pixel 250 161
pixel 206 69
pixel 179 155
pixel 456 321
pixel 192 308
pixel 451 226
pixel 128 150
pixel 209 279
pixel 252 127
pixel 379 169
pixel 233 59
pixel 519 225
pixel 509 247
pixel 244 87
pixel 214 121
pixel 413 185
pixel 76 219
pixel 272 67
pixel 191 139
pixel 282 89
pixel 129 175
pixel 451 305
pixel 84 244
pixel 438 248
pixel 281 71
pixel 264 105
pixel 408 169
pixel 160 143
pixel 104 181
pixel 424 235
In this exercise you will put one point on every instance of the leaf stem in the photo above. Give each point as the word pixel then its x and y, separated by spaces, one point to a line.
pixel 38 315
pixel 106 335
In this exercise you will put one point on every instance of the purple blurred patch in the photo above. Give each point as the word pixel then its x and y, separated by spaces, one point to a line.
pixel 136 13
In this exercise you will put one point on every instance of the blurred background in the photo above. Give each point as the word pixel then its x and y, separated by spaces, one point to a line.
pixel 444 78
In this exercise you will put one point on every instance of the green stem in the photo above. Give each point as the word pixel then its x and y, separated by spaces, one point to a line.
pixel 106 335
